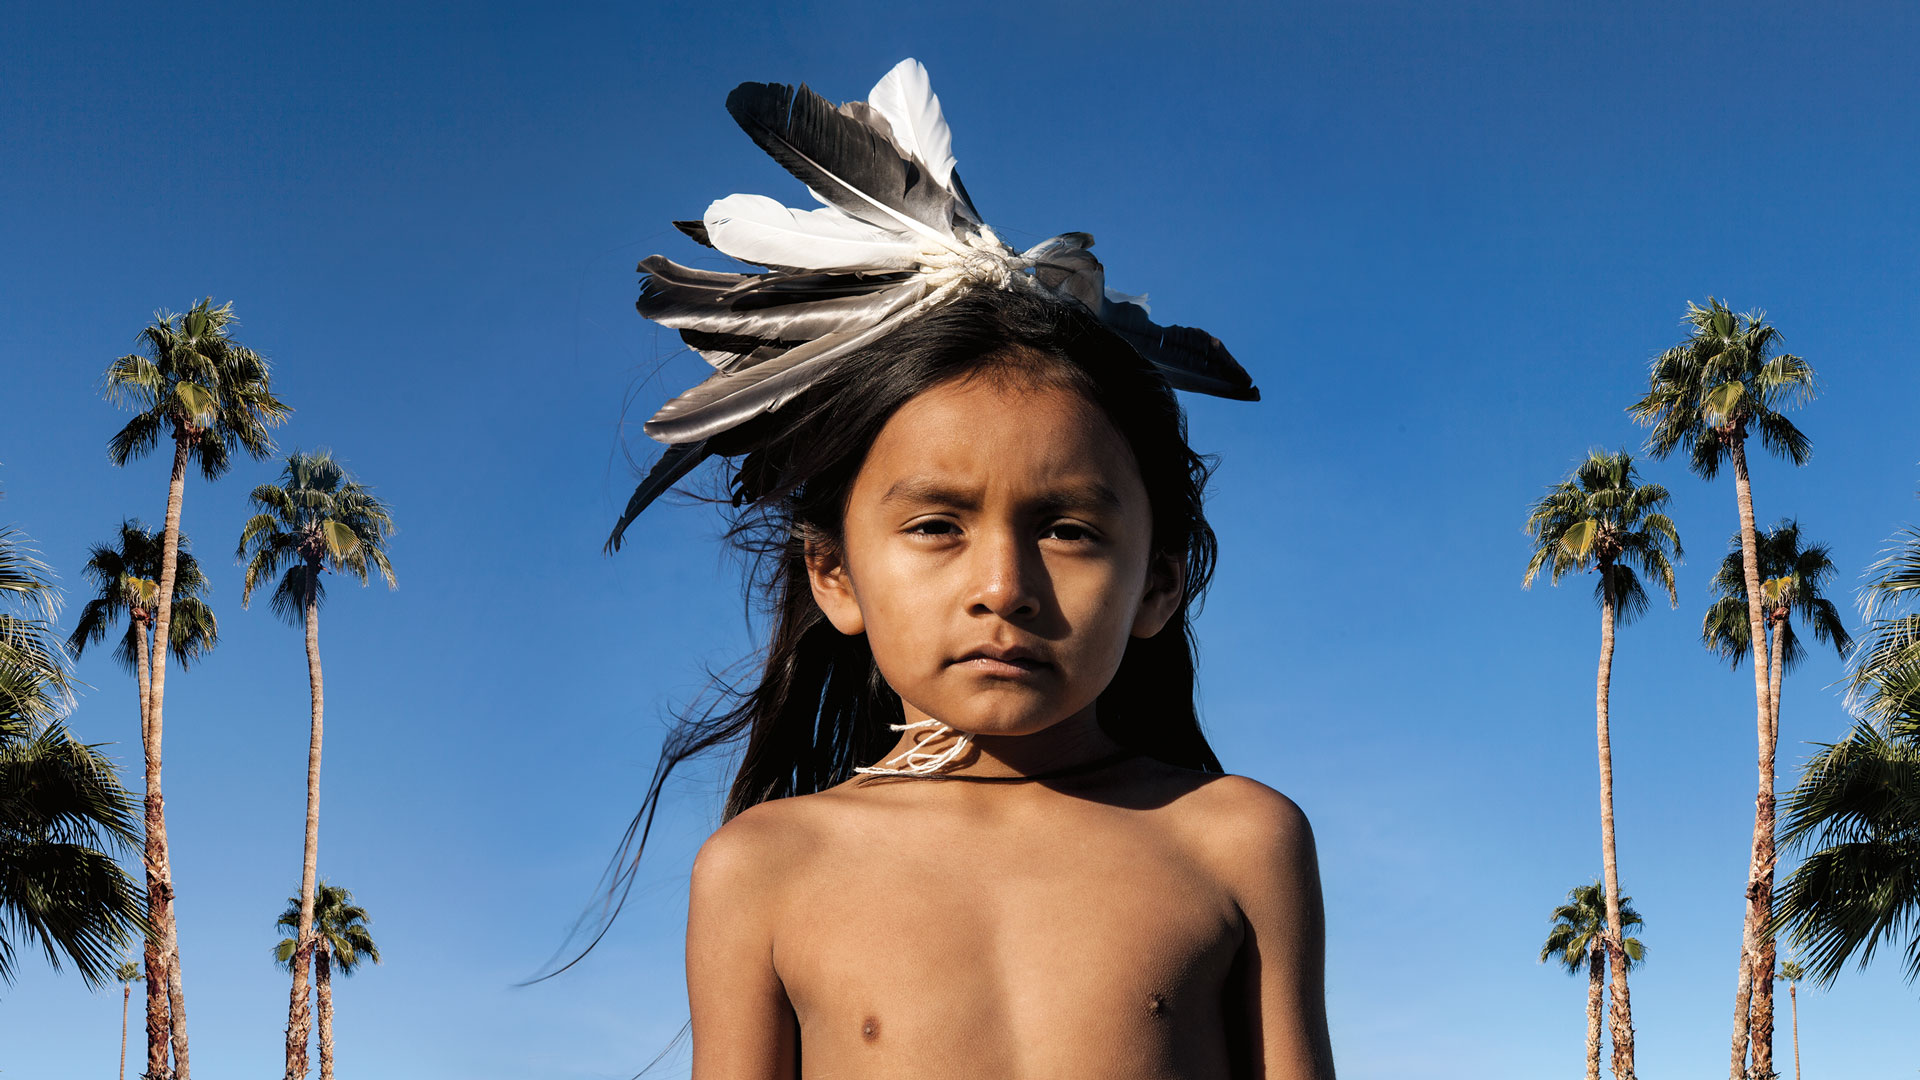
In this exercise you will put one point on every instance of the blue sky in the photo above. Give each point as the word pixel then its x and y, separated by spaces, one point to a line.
pixel 1445 240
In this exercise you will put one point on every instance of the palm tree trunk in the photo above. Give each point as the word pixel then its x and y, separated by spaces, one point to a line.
pixel 155 968
pixel 160 894
pixel 323 984
pixel 1759 897
pixel 1764 963
pixel 126 996
pixel 299 1014
pixel 1620 1015
pixel 1793 999
pixel 1596 974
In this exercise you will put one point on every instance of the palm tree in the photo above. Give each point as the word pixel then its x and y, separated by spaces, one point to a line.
pixel 1791 579
pixel 342 939
pixel 1727 381
pixel 1791 973
pixel 62 809
pixel 212 395
pixel 1581 930
pixel 127 973
pixel 1856 810
pixel 127 576
pixel 1601 518
pixel 317 518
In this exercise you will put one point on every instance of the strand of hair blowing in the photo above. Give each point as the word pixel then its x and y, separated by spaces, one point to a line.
pixel 819 706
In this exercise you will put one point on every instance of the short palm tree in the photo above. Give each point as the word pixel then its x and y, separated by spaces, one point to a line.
pixel 126 575
pixel 318 518
pixel 1604 520
pixel 1579 937
pixel 63 812
pixel 1708 395
pixel 1791 973
pixel 212 396
pixel 1793 574
pixel 341 940
pixel 1856 810
pixel 126 974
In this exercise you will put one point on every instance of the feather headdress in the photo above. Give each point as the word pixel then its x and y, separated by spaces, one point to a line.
pixel 896 236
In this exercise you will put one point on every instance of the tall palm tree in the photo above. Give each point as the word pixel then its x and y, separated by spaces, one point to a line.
pixel 1729 381
pixel 127 973
pixel 126 574
pixel 1601 518
pixel 341 939
pixel 318 518
pixel 1856 810
pixel 63 812
pixel 1580 932
pixel 1791 973
pixel 1792 576
pixel 213 396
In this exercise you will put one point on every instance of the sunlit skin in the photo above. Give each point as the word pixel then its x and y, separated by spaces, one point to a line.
pixel 1136 921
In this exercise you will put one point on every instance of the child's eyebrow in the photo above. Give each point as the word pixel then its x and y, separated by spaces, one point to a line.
pixel 1089 494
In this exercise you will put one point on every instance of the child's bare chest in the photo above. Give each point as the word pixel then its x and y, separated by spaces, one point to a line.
pixel 1081 943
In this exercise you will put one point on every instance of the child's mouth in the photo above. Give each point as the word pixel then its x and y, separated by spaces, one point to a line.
pixel 1002 663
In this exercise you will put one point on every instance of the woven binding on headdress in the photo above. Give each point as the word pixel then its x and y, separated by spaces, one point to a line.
pixel 896 235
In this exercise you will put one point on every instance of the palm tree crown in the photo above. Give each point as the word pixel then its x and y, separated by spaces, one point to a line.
pixel 317 518
pixel 1602 518
pixel 1856 809
pixel 127 574
pixel 1581 922
pixel 193 379
pixel 1792 574
pixel 1728 378
pixel 62 809
pixel 337 921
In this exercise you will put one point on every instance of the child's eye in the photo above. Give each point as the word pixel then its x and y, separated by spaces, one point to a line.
pixel 1068 531
pixel 932 527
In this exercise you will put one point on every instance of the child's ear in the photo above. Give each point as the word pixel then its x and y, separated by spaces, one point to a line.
pixel 1166 584
pixel 833 588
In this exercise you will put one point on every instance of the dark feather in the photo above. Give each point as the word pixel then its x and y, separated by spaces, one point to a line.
pixel 674 463
pixel 1189 359
pixel 870 116
pixel 728 352
pixel 769 307
pixel 695 229
pixel 840 157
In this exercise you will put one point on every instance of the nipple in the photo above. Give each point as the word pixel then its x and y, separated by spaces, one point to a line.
pixel 914 761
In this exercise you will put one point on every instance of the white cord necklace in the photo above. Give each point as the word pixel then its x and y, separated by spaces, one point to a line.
pixel 913 761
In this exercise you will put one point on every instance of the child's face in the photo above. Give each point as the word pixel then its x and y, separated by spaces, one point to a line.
pixel 997 554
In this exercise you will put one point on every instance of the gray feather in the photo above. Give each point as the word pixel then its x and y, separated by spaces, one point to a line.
pixel 770 307
pixel 729 398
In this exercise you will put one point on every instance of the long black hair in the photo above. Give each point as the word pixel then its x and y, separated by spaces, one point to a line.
pixel 820 706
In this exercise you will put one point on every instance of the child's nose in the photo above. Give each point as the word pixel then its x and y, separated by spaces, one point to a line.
pixel 1004 576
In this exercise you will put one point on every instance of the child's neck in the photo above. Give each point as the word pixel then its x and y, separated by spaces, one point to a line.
pixel 1073 741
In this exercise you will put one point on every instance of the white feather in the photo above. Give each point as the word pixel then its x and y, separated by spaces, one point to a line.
pixel 905 97
pixel 756 229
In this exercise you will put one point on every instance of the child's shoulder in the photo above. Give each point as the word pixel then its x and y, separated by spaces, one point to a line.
pixel 1249 833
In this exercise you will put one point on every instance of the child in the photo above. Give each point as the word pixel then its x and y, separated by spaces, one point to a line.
pixel 976 829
